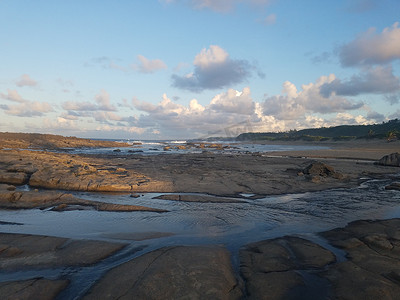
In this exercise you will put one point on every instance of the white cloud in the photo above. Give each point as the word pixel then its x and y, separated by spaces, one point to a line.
pixel 146 65
pixel 28 109
pixel 372 48
pixel 12 95
pixel 214 69
pixel 26 80
pixel 102 104
pixel 234 102
pixel 233 112
pixel 24 108
pixel 293 104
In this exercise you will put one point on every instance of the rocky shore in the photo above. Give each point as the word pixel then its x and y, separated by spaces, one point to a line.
pixel 359 261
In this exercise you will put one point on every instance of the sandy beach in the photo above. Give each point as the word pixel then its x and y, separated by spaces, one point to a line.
pixel 52 179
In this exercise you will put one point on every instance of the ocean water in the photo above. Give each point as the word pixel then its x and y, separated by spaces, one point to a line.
pixel 154 147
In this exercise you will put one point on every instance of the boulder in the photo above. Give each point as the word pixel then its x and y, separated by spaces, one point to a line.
pixel 392 160
pixel 320 169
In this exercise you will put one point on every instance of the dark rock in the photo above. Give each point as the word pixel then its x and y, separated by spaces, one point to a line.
pixel 393 186
pixel 322 170
pixel 270 268
pixel 373 249
pixel 392 160
pixel 32 289
pixel 22 251
pixel 171 273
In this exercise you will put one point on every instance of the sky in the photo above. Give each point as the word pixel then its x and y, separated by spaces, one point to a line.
pixel 178 69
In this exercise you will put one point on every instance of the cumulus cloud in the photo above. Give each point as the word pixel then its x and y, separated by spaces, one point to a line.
pixel 146 65
pixel 213 69
pixel 233 112
pixel 378 80
pixel 234 102
pixel 26 80
pixel 293 103
pixel 372 47
pixel 171 118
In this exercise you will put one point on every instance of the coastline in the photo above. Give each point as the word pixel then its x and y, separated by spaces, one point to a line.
pixel 207 177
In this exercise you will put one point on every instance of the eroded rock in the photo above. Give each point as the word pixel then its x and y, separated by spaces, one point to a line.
pixel 171 273
pixel 270 267
pixel 39 288
pixel 392 160
pixel 22 251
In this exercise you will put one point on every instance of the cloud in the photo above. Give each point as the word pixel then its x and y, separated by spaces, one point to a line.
pixel 234 102
pixel 233 112
pixel 372 48
pixel 171 118
pixel 214 69
pixel 102 103
pixel 378 80
pixel 26 80
pixel 28 109
pixel 12 95
pixel 24 108
pixel 294 104
pixel 149 65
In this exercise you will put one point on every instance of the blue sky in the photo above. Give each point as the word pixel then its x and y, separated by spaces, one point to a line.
pixel 162 69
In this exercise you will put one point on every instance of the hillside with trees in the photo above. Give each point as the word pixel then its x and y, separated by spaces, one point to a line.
pixel 387 130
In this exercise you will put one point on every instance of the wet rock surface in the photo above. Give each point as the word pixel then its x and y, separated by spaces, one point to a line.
pixel 23 251
pixel 39 288
pixel 373 268
pixel 198 198
pixel 172 273
pixel 289 267
pixel 294 268
pixel 10 199
pixel 271 269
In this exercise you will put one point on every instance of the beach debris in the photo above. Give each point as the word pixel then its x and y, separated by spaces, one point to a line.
pixel 392 160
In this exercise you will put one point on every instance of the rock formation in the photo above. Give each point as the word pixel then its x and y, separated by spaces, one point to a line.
pixel 392 160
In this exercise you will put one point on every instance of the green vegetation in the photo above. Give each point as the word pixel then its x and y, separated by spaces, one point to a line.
pixel 389 131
